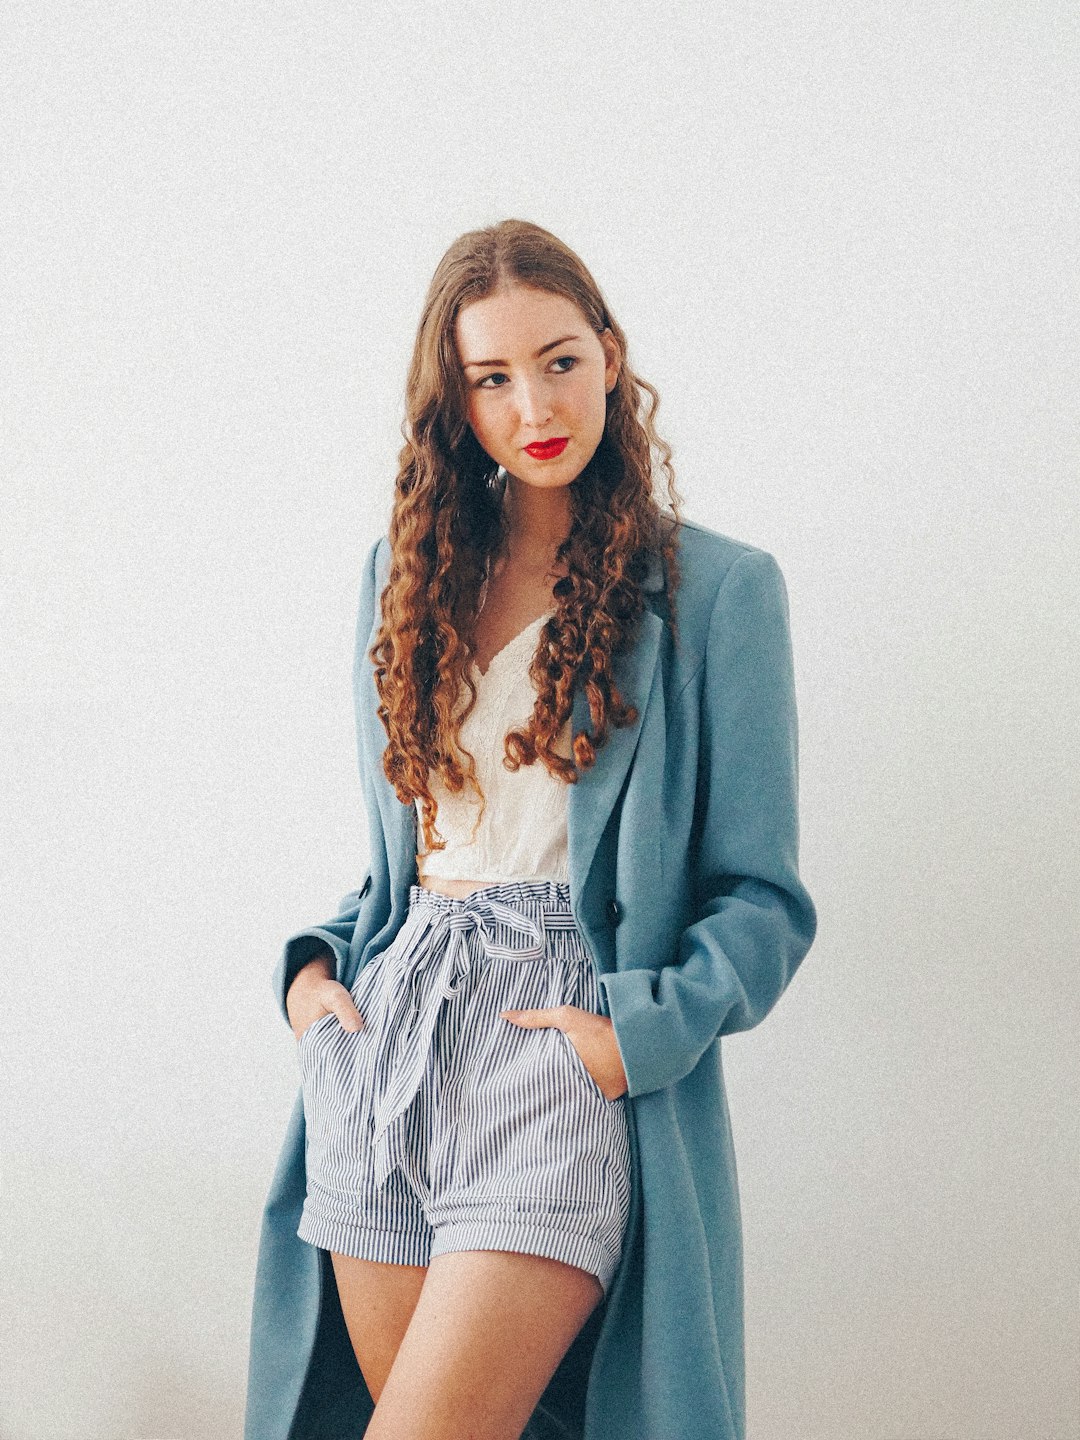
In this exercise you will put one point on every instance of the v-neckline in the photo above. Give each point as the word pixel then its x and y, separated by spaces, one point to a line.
pixel 509 645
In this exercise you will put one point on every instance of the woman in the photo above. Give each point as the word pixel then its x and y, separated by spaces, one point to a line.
pixel 507 1200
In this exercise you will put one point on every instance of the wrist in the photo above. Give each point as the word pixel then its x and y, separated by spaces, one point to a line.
pixel 322 966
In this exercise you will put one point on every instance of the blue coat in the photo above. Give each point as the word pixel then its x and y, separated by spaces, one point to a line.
pixel 683 870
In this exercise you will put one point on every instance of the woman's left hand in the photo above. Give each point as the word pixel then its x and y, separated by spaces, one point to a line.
pixel 592 1036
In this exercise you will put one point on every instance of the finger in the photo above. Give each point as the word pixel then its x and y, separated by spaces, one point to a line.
pixel 338 1000
pixel 530 1019
pixel 348 1015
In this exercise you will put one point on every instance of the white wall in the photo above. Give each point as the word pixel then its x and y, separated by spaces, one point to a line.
pixel 841 238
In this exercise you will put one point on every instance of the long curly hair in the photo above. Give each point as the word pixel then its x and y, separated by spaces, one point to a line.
pixel 447 526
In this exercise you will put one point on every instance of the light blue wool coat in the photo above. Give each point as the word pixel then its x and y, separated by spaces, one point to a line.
pixel 683 870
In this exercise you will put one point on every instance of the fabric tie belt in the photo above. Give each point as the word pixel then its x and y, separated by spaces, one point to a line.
pixel 414 1027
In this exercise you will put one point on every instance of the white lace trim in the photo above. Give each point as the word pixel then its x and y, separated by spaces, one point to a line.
pixel 522 834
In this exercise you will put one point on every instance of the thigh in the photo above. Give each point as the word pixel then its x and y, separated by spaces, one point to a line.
pixel 486 1336
pixel 377 1301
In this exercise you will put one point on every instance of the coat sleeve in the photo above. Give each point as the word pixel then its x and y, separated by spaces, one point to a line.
pixel 754 920
pixel 336 933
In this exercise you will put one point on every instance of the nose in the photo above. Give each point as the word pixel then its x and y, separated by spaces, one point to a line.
pixel 534 402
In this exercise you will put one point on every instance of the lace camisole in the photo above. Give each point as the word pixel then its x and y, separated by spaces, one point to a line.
pixel 522 835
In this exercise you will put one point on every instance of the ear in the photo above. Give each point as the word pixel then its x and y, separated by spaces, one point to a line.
pixel 614 359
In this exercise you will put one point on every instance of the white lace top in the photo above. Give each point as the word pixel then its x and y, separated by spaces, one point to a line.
pixel 523 832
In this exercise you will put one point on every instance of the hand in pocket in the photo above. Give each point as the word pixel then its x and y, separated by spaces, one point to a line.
pixel 591 1035
pixel 314 994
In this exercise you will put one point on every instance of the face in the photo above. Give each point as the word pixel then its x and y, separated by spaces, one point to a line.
pixel 535 370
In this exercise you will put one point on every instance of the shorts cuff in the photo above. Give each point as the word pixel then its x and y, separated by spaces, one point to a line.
pixel 585 1251
pixel 362 1242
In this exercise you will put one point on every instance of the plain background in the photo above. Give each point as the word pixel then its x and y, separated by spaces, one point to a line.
pixel 842 239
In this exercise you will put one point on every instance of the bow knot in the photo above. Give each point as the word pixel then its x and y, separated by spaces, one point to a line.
pixel 505 933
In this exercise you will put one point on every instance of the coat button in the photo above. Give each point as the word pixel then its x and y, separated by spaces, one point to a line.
pixel 365 887
pixel 614 911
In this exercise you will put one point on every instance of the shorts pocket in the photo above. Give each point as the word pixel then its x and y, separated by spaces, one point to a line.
pixel 330 1015
pixel 582 1069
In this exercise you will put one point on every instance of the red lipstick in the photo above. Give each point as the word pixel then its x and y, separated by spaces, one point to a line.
pixel 547 449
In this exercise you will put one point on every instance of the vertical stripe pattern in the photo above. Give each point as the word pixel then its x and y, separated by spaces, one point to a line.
pixel 440 1126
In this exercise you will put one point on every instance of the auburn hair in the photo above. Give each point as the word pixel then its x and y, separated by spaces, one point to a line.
pixel 447 526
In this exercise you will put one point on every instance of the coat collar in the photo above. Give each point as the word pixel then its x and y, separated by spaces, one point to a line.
pixel 592 799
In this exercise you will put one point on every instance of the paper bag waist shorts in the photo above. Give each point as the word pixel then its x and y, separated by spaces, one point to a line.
pixel 441 1126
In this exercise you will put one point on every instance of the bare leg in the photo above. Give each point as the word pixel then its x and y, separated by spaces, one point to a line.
pixel 485 1338
pixel 377 1301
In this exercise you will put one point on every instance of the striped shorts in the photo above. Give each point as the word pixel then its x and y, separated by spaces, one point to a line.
pixel 440 1126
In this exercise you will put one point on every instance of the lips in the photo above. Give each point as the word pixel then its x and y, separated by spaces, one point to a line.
pixel 547 449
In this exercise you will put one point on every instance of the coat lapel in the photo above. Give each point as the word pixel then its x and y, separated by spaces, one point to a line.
pixel 591 800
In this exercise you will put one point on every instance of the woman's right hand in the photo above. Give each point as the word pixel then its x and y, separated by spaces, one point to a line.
pixel 313 993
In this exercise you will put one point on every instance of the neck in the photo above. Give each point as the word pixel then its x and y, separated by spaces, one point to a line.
pixel 537 520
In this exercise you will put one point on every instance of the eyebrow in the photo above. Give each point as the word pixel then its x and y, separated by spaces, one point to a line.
pixel 475 364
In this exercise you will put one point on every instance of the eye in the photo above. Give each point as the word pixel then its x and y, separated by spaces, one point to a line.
pixel 568 360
